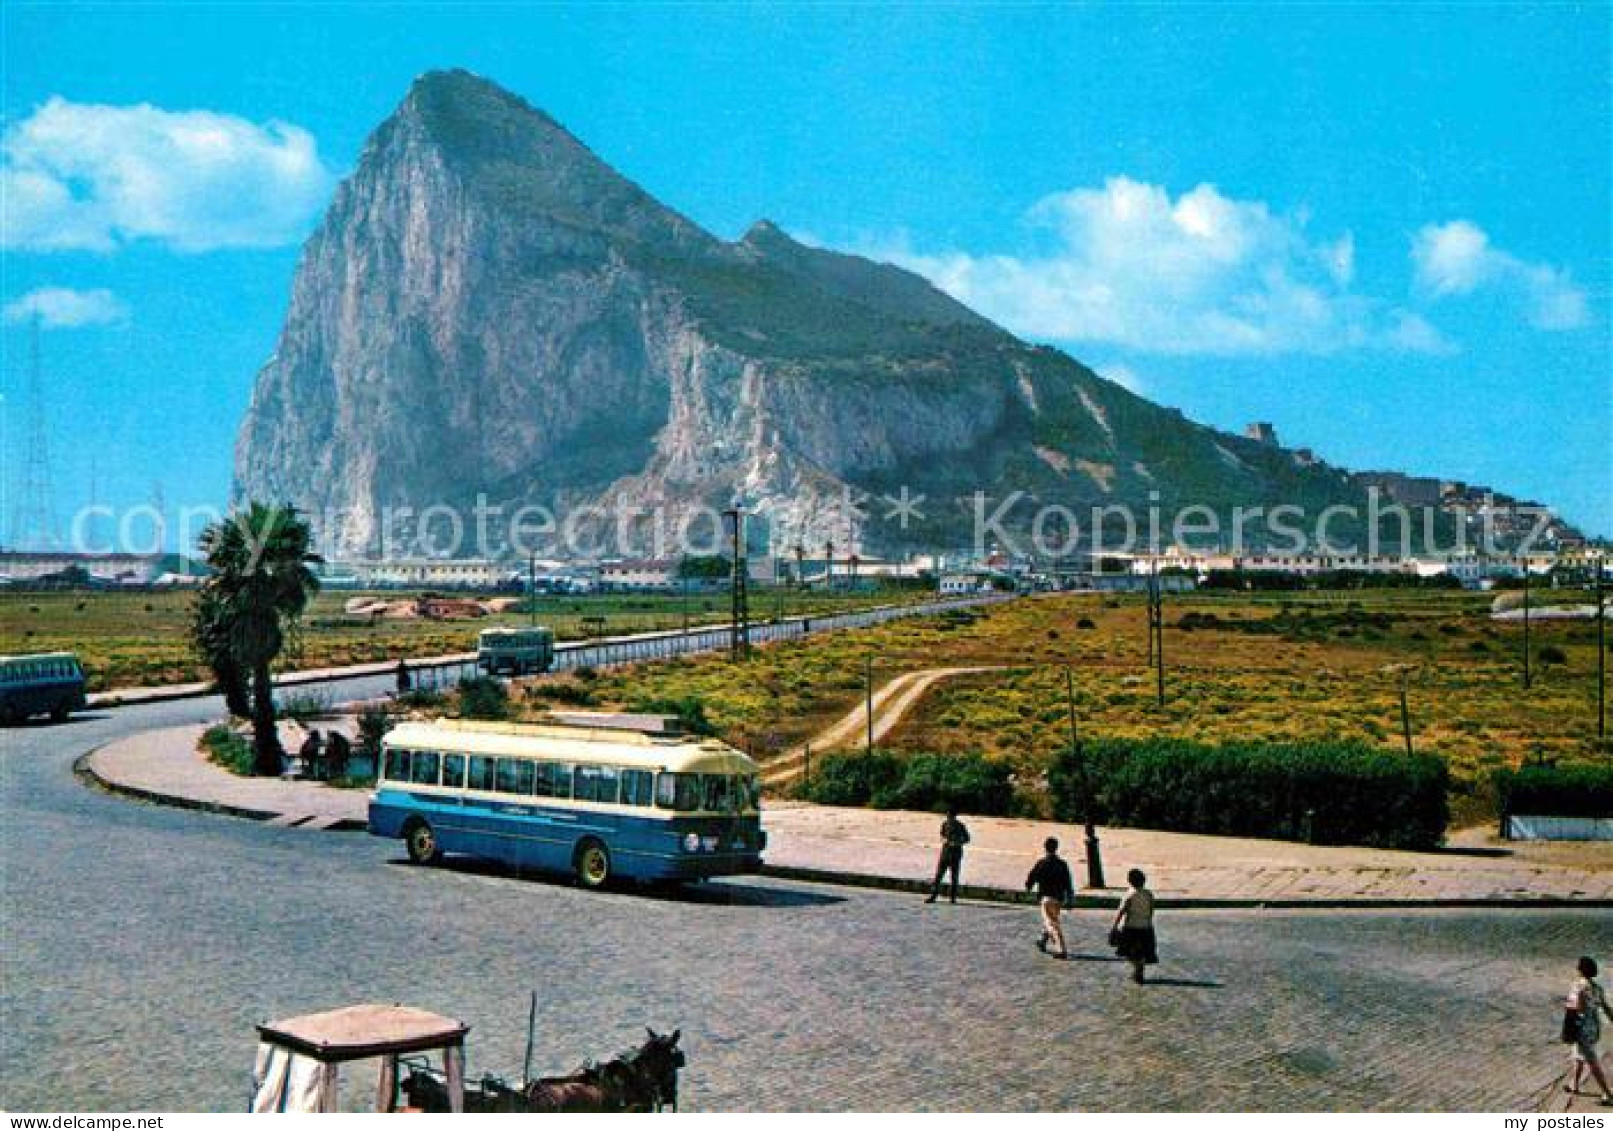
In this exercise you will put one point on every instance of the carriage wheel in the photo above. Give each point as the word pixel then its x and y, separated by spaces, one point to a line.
pixel 422 844
pixel 592 864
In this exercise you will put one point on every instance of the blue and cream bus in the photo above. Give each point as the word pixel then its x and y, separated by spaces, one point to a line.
pixel 50 683
pixel 593 801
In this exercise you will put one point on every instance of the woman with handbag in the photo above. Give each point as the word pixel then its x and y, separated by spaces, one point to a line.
pixel 1132 934
pixel 1582 1020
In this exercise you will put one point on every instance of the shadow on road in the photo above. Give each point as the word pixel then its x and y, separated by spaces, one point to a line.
pixel 1189 982
pixel 45 722
pixel 725 893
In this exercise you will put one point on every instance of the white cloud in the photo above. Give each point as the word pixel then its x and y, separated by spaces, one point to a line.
pixel 80 176
pixel 1199 274
pixel 62 308
pixel 1457 258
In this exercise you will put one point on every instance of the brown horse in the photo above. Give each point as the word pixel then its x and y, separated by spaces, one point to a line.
pixel 645 1079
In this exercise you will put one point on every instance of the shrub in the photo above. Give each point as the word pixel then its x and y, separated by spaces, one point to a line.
pixel 883 780
pixel 563 691
pixel 1556 791
pixel 1551 654
pixel 226 748
pixel 1085 623
pixel 303 706
pixel 483 698
pixel 852 779
pixel 690 710
pixel 422 699
pixel 1324 792
pixel 373 723
pixel 972 782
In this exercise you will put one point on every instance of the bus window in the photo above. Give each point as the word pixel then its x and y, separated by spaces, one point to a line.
pixel 638 787
pixel 718 794
pixel 397 764
pixel 678 791
pixel 453 771
pixel 749 793
pixel 481 772
pixel 596 783
pixel 423 767
pixel 553 779
pixel 515 776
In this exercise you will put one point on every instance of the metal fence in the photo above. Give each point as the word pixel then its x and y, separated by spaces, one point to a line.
pixel 618 650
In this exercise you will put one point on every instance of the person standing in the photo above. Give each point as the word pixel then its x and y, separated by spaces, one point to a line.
pixel 1586 1005
pixel 953 837
pixel 1054 888
pixel 404 682
pixel 1133 930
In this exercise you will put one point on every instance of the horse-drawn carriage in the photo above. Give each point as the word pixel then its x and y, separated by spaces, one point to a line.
pixel 299 1061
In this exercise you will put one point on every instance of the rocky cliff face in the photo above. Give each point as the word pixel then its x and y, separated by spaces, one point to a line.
pixel 489 311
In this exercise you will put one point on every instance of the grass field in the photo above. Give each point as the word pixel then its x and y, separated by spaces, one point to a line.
pixel 140 639
pixel 1277 666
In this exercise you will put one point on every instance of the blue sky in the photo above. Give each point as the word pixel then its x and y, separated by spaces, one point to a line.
pixel 1386 231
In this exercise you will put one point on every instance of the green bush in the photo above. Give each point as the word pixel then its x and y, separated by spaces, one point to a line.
pixel 1323 792
pixel 883 780
pixel 226 748
pixel 483 698
pixel 690 710
pixel 852 779
pixel 303 706
pixel 1556 791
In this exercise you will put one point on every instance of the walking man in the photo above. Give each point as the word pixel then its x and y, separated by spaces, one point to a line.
pixel 1054 887
pixel 953 837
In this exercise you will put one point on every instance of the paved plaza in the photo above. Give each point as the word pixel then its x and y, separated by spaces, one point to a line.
pixel 142 943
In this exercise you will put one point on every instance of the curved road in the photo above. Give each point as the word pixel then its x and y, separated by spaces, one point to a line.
pixel 140 945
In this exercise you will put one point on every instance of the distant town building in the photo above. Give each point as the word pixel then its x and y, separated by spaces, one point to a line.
pixel 23 567
pixel 639 574
pixel 1264 432
pixel 417 573
pixel 1406 490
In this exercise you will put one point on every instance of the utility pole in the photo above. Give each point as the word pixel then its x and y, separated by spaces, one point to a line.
pixel 829 566
pixel 1156 630
pixel 33 524
pixel 1094 852
pixel 532 589
pixel 1527 678
pixel 740 613
pixel 1405 709
pixel 1601 647
pixel 800 566
pixel 868 702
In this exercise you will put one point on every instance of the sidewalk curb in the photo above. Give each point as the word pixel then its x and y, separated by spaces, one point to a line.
pixel 980 894
pixel 973 893
pixel 88 775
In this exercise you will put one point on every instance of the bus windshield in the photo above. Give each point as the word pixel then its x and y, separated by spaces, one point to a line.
pixel 712 793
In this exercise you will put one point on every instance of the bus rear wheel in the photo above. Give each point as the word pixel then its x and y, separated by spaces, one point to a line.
pixel 592 864
pixel 422 844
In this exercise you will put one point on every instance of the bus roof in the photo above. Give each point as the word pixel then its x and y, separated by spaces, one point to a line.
pixel 39 656
pixel 587 745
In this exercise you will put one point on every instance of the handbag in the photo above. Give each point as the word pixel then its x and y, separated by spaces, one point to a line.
pixel 1571 1027
pixel 1115 936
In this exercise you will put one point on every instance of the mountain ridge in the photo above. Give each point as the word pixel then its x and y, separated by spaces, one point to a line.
pixel 489 310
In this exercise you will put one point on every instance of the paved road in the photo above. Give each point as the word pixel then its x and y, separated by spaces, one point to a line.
pixel 141 944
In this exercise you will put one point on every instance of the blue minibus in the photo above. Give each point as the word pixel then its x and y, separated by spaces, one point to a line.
pixel 50 683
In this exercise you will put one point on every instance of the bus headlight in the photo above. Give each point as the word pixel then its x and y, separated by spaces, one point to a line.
pixel 691 843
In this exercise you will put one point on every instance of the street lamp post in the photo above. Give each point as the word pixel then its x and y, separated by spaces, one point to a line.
pixel 1094 851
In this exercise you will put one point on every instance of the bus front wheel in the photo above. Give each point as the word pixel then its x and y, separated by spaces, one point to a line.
pixel 592 864
pixel 422 844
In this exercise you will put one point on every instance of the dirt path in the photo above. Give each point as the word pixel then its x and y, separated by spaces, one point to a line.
pixel 891 703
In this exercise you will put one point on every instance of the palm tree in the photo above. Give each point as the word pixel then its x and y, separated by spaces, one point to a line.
pixel 261 583
pixel 210 637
